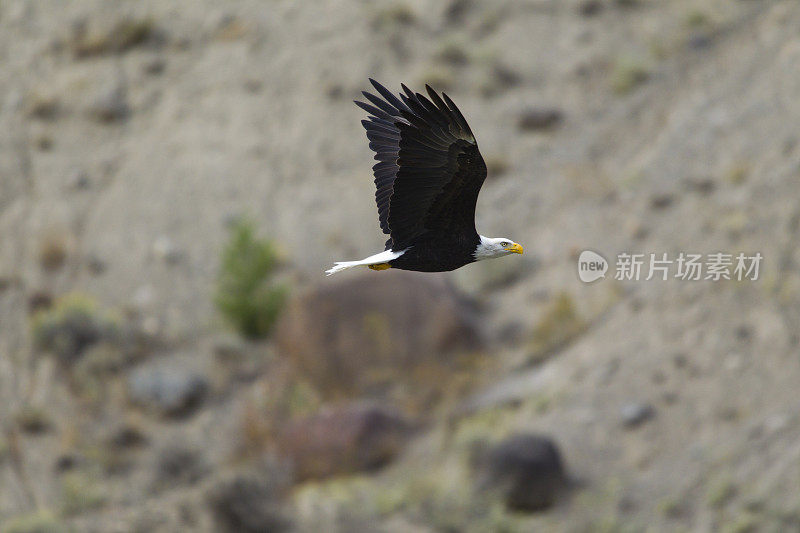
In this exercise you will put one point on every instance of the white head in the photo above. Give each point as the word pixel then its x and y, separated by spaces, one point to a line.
pixel 496 247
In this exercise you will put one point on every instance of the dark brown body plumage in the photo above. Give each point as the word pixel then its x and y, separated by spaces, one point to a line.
pixel 428 177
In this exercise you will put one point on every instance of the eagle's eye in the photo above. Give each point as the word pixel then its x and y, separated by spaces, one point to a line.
pixel 504 244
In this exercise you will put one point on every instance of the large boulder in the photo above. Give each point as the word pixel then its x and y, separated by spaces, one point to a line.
pixel 178 464
pixel 525 470
pixel 248 504
pixel 370 332
pixel 343 440
pixel 172 390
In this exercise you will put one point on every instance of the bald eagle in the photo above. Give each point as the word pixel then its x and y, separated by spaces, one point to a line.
pixel 428 177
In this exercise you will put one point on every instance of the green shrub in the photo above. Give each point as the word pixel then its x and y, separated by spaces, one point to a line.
pixel 559 324
pixel 37 522
pixel 80 493
pixel 720 492
pixel 393 15
pixel 32 419
pixel 71 325
pixel 247 296
pixel 627 74
pixel 697 19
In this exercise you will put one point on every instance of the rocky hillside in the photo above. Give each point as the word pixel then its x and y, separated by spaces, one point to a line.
pixel 506 396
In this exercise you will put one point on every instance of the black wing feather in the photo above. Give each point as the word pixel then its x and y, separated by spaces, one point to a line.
pixel 379 113
pixel 380 103
pixel 387 94
pixel 429 169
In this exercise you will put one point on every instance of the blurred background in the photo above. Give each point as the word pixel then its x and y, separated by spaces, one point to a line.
pixel 176 176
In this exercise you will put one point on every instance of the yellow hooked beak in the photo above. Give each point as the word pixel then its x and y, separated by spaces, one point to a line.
pixel 516 248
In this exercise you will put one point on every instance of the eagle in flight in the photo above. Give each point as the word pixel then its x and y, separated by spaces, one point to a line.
pixel 428 176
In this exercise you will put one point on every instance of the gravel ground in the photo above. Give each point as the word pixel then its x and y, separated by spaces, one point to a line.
pixel 133 132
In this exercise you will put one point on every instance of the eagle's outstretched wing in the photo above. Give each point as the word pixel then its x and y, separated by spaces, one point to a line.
pixel 429 169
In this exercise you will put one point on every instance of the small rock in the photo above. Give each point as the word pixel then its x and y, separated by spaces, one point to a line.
pixel 590 8
pixel 33 419
pixel 230 348
pixel 111 106
pixel 505 76
pixel 241 361
pixel 182 43
pixel 670 398
pixel 702 185
pixel 539 119
pixel 42 107
pixel 661 200
pixel 457 10
pixel 635 414
pixel 454 54
pixel 743 333
pixel 789 145
pixel 172 390
pixel 39 300
pixel 335 91
pixel 343 440
pixel 248 504
pixel 254 85
pixel 658 377
pixel 155 66
pixel 626 504
pixel 5 283
pixel 178 465
pixel 79 181
pixel 66 462
pixel 699 41
pixel 127 435
pixel 526 470
pixel 729 413
pixel 44 142
pixel 496 166
pixel 95 265
pixel 511 332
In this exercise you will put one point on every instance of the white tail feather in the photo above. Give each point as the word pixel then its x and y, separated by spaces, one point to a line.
pixel 342 265
pixel 382 257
